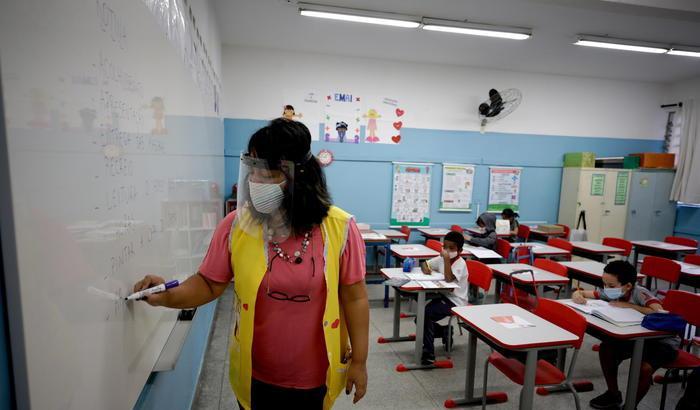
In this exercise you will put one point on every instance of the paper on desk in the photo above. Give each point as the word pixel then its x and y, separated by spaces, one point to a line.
pixel 372 235
pixel 391 275
pixel 438 284
pixel 414 284
pixel 512 321
pixel 420 276
pixel 481 253
pixel 589 306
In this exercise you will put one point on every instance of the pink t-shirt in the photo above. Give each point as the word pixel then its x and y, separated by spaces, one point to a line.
pixel 288 343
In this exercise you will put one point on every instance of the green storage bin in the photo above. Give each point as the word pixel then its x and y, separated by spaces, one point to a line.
pixel 630 162
pixel 579 159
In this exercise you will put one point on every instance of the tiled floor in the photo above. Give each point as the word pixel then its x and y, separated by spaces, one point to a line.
pixel 389 389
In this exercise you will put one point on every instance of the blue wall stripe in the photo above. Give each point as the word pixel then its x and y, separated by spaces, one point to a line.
pixel 364 170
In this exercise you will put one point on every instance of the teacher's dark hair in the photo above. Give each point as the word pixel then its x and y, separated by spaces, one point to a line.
pixel 286 140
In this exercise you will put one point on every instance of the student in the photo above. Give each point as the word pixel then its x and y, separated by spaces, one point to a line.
pixel 619 278
pixel 512 217
pixel 450 264
pixel 487 239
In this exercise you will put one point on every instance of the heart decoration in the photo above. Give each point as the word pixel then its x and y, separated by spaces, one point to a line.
pixel 399 112
pixel 398 125
pixel 335 323
pixel 396 139
pixel 245 306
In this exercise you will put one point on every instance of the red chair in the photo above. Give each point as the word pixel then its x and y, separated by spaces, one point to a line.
pixel 480 276
pixel 661 268
pixel 620 244
pixel 406 231
pixel 546 373
pixel 692 259
pixel 504 249
pixel 457 228
pixel 687 305
pixel 679 240
pixel 561 244
pixel 567 231
pixel 523 233
pixel 434 245
pixel 554 267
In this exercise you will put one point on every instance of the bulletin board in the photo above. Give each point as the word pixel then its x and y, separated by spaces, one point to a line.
pixel 504 188
pixel 410 200
pixel 457 187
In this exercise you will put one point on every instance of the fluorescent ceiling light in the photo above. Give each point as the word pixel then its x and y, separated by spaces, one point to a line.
pixel 474 29
pixel 624 45
pixel 358 16
pixel 684 53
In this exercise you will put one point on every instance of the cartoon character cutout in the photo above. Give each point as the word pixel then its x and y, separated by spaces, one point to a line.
pixel 341 127
pixel 289 113
pixel 372 116
pixel 158 107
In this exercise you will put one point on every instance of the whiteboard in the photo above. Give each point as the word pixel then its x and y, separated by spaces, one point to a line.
pixel 410 198
pixel 110 124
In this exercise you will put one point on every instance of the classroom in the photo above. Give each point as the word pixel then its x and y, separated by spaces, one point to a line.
pixel 349 204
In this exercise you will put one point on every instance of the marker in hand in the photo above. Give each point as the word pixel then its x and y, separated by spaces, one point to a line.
pixel 150 291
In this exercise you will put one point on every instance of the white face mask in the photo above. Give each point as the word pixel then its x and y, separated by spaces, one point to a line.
pixel 452 255
pixel 266 198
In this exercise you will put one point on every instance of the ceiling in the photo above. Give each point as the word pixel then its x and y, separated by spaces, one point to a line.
pixel 555 23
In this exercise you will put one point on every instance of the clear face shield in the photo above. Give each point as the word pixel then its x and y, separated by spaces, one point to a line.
pixel 265 197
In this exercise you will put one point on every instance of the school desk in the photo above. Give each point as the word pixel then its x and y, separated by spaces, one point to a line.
pixel 590 272
pixel 595 251
pixel 433 233
pixel 602 329
pixel 377 240
pixel 479 321
pixel 501 272
pixel 540 235
pixel 690 275
pixel 540 250
pixel 479 231
pixel 418 251
pixel 392 234
pixel 420 293
pixel 658 248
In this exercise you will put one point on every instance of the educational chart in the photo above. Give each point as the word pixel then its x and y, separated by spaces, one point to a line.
pixel 504 188
pixel 115 155
pixel 410 200
pixel 383 118
pixel 307 108
pixel 341 117
pixel 457 187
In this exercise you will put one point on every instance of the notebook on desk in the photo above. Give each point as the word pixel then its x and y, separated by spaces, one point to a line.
pixel 615 315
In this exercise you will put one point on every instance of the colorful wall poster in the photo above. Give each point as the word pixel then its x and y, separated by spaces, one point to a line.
pixel 504 188
pixel 383 118
pixel 621 185
pixel 457 187
pixel 410 199
pixel 306 107
pixel 341 117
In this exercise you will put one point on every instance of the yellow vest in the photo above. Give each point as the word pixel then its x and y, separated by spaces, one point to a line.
pixel 249 263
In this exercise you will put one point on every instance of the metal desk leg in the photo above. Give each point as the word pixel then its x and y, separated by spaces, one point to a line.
pixel 387 263
pixel 633 379
pixel 397 323
pixel 636 257
pixel 497 291
pixel 604 258
pixel 528 390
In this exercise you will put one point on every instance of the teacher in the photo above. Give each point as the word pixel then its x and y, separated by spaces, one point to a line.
pixel 298 266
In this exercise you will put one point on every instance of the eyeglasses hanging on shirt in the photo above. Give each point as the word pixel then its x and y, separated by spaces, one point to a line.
pixel 283 296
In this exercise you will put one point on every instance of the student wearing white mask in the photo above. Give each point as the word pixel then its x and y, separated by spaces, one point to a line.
pixel 301 319
pixel 453 267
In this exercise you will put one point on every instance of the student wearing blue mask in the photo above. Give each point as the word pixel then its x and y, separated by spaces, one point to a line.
pixel 619 280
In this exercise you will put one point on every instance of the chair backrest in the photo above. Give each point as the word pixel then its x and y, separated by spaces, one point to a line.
pixel 620 244
pixel 434 245
pixel 560 243
pixel 523 232
pixel 503 248
pixel 685 304
pixel 479 274
pixel 567 230
pixel 692 259
pixel 551 266
pixel 679 240
pixel 457 228
pixel 661 268
pixel 562 316
pixel 406 231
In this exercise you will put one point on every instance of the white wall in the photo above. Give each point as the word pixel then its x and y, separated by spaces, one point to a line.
pixel 682 90
pixel 445 97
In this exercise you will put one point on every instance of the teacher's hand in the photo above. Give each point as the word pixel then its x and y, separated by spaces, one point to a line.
pixel 357 376
pixel 148 282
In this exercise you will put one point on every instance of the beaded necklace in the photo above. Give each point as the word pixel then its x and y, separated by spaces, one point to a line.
pixel 298 256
